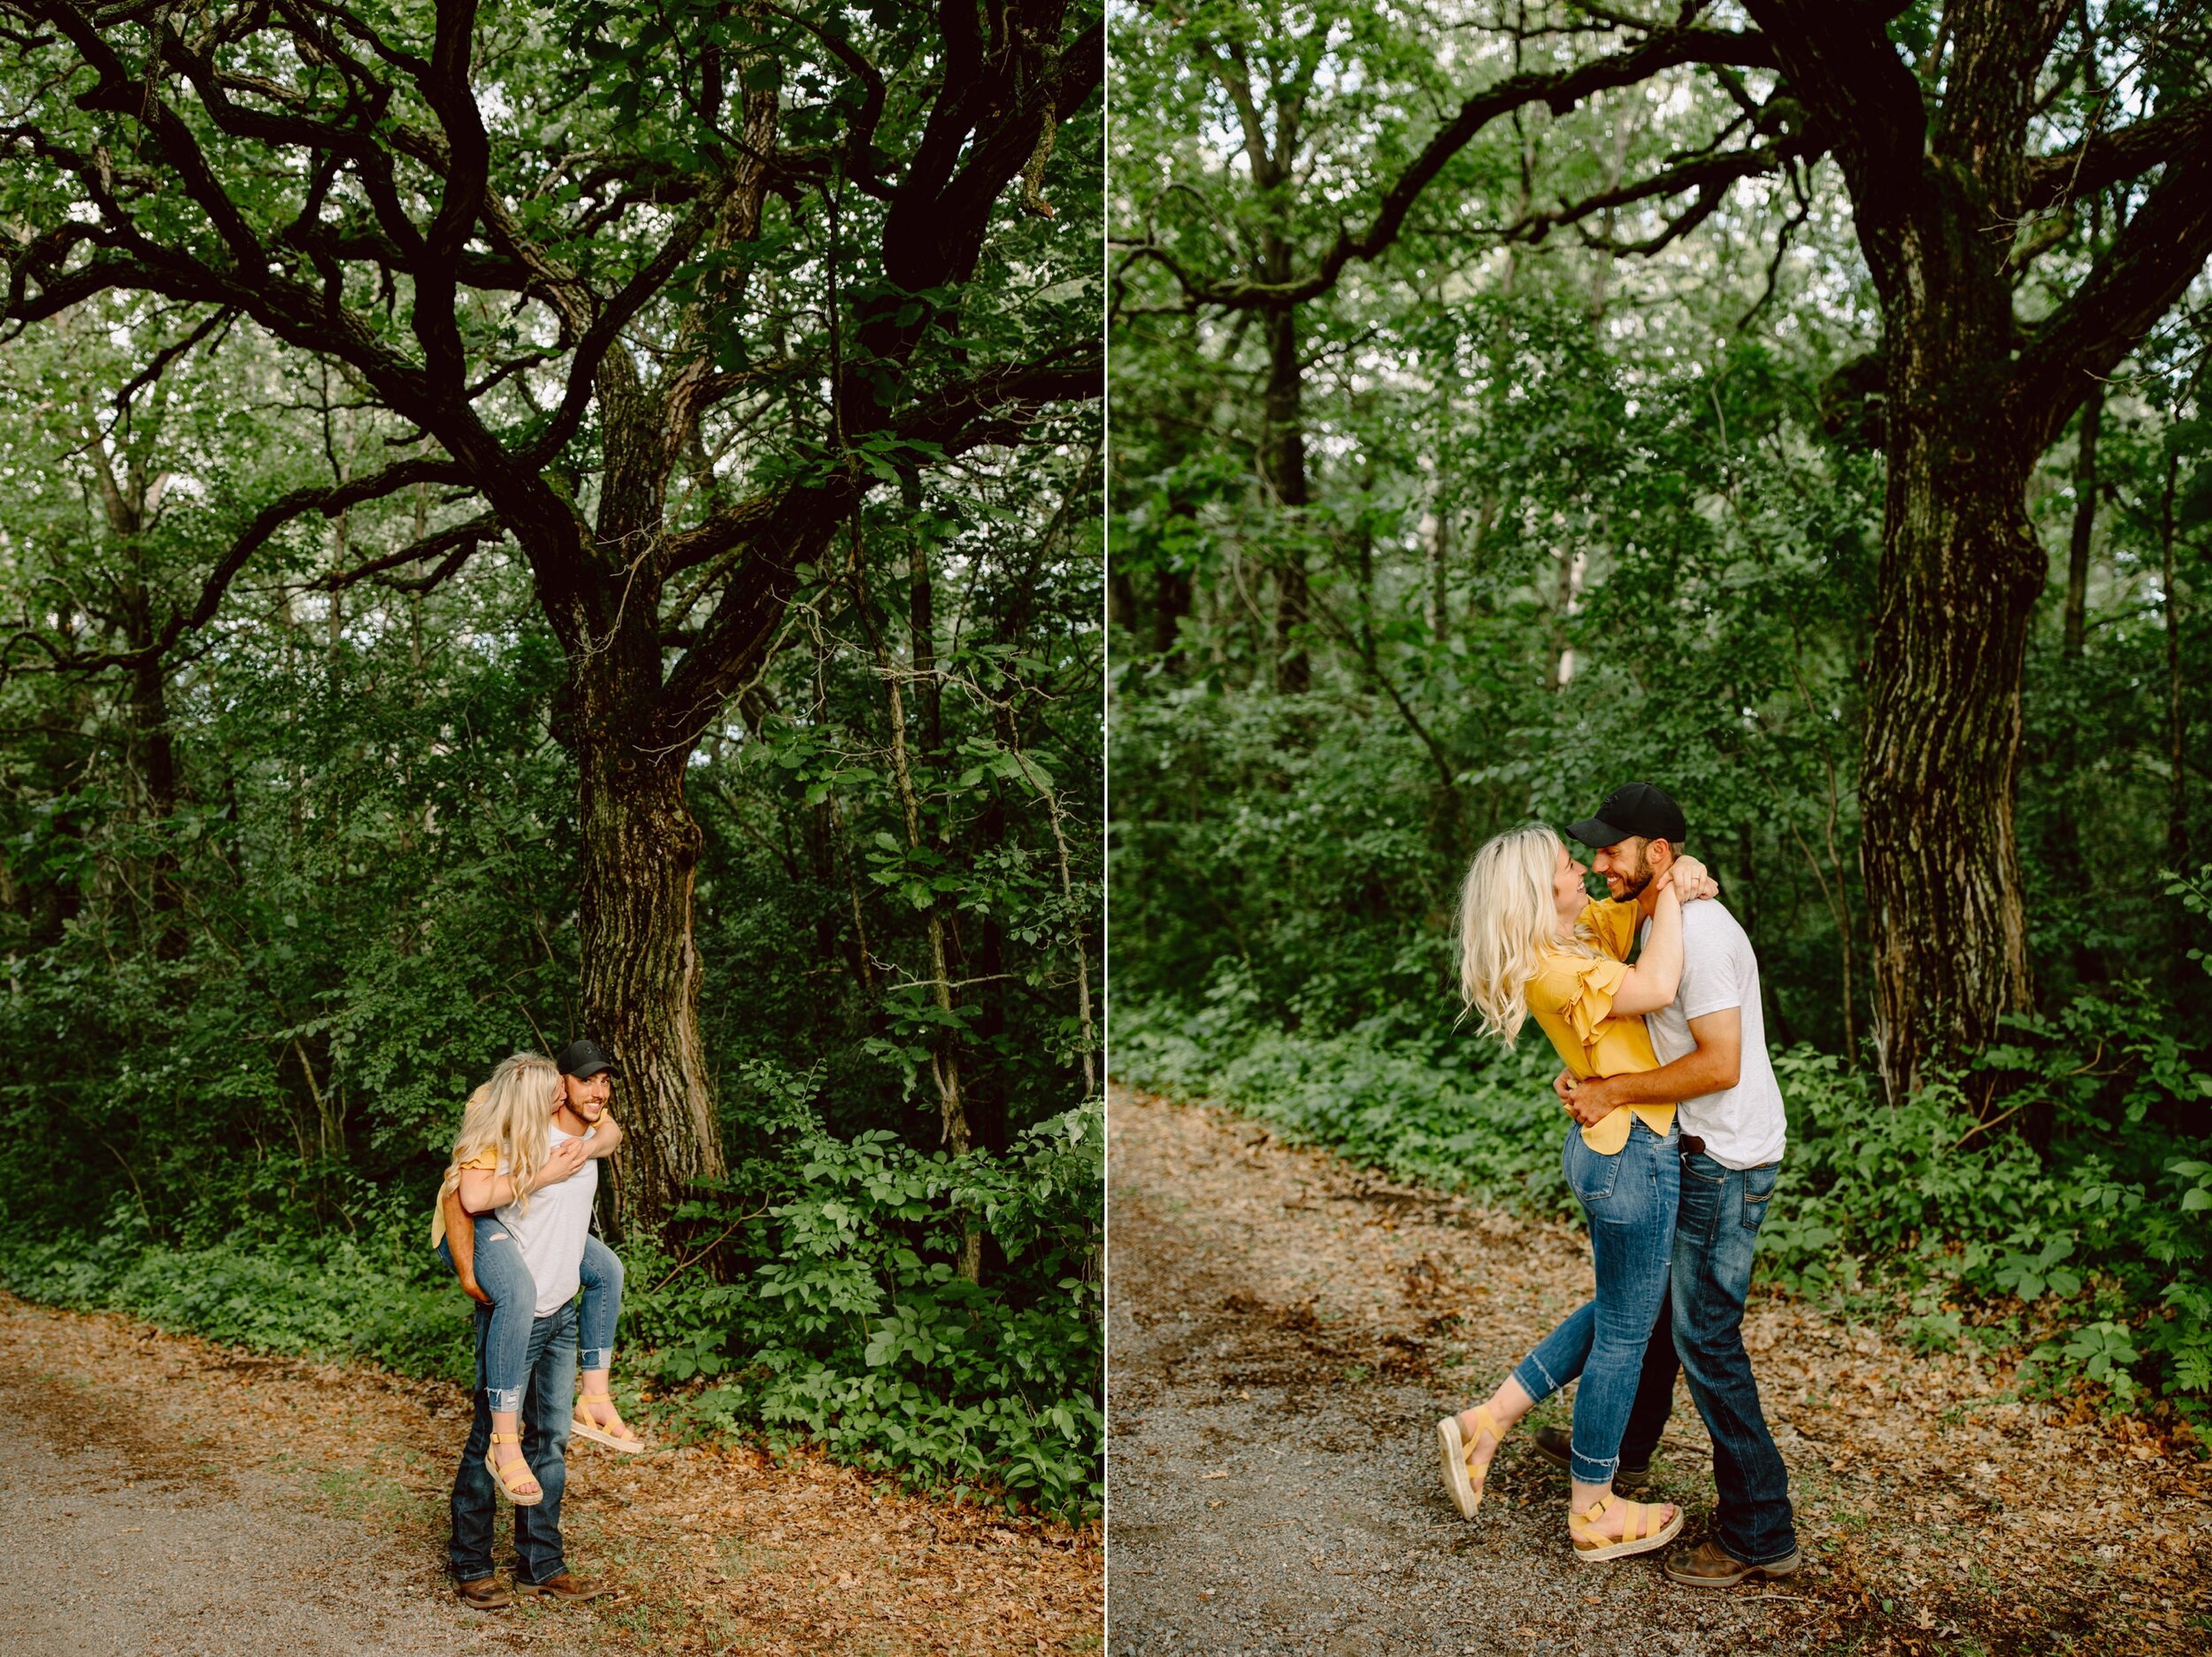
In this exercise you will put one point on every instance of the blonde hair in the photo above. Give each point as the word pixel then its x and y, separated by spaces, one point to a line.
pixel 509 1115
pixel 1507 919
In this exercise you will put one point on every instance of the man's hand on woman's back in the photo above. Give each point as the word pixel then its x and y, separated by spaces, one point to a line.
pixel 1582 1098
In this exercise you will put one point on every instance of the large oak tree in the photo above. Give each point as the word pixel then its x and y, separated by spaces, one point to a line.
pixel 655 297
pixel 1970 137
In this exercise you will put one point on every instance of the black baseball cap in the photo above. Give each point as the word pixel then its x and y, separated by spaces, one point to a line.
pixel 1638 811
pixel 583 1059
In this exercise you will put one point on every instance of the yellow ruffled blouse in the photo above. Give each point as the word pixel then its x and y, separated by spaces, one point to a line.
pixel 1572 1001
pixel 487 1160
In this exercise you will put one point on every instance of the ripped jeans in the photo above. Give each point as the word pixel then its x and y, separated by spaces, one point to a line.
pixel 502 1273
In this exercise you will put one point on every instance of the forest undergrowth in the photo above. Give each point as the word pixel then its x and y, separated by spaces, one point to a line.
pixel 813 1300
pixel 2083 1267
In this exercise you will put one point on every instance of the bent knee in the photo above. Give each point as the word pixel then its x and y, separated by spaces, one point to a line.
pixel 601 1267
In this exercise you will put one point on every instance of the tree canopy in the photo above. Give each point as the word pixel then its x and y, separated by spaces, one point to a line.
pixel 656 300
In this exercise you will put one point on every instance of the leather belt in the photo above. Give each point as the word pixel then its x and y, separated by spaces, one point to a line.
pixel 1691 1142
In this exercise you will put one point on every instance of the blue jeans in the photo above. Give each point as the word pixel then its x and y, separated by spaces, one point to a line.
pixel 502 1274
pixel 1629 1200
pixel 503 1341
pixel 1701 1331
pixel 602 1272
pixel 548 1406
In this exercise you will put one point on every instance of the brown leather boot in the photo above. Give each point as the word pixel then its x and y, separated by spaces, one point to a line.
pixel 1556 1448
pixel 1709 1565
pixel 565 1587
pixel 483 1593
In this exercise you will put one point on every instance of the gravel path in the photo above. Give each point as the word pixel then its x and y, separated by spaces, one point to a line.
pixel 127 1533
pixel 1285 1329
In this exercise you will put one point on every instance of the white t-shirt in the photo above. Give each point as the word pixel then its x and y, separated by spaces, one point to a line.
pixel 551 1235
pixel 1744 1126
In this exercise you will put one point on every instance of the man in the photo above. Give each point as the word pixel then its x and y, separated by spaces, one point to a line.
pixel 1713 1065
pixel 551 1234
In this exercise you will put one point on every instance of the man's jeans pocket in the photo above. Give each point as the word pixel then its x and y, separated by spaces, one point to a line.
pixel 1758 1187
pixel 1704 1170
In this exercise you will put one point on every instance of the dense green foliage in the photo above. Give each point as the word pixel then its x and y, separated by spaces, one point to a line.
pixel 274 905
pixel 1570 520
pixel 860 1334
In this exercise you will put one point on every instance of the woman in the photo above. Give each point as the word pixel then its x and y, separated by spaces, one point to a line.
pixel 1533 945
pixel 505 1151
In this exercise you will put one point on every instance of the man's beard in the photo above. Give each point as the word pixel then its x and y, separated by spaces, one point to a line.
pixel 1635 880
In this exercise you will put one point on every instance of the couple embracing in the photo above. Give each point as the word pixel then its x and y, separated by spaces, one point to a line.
pixel 513 1219
pixel 1676 1144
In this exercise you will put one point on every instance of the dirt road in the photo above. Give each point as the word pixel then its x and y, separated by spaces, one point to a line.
pixel 1285 1329
pixel 160 1497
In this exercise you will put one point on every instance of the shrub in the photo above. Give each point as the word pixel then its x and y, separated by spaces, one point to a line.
pixel 855 1329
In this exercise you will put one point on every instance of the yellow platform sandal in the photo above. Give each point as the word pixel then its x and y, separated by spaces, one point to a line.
pixel 1640 1532
pixel 521 1499
pixel 584 1426
pixel 1460 1478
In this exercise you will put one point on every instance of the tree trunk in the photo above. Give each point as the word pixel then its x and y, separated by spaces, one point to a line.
pixel 1961 567
pixel 1171 601
pixel 1961 570
pixel 641 848
pixel 1568 563
pixel 1121 600
pixel 641 971
pixel 1975 394
pixel 821 851
pixel 2177 721
pixel 1436 535
pixel 128 500
pixel 954 1130
pixel 921 613
pixel 1286 460
pixel 2070 866
pixel 987 1081
pixel 153 746
pixel 2076 622
pixel 149 716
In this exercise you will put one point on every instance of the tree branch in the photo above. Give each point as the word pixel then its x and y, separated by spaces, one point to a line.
pixel 1013 392
pixel 121 92
pixel 860 130
pixel 221 316
pixel 463 538
pixel 648 280
pixel 1666 48
pixel 1842 66
pixel 2148 267
pixel 2106 158
pixel 796 527
pixel 271 519
pixel 1710 176
pixel 468 170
